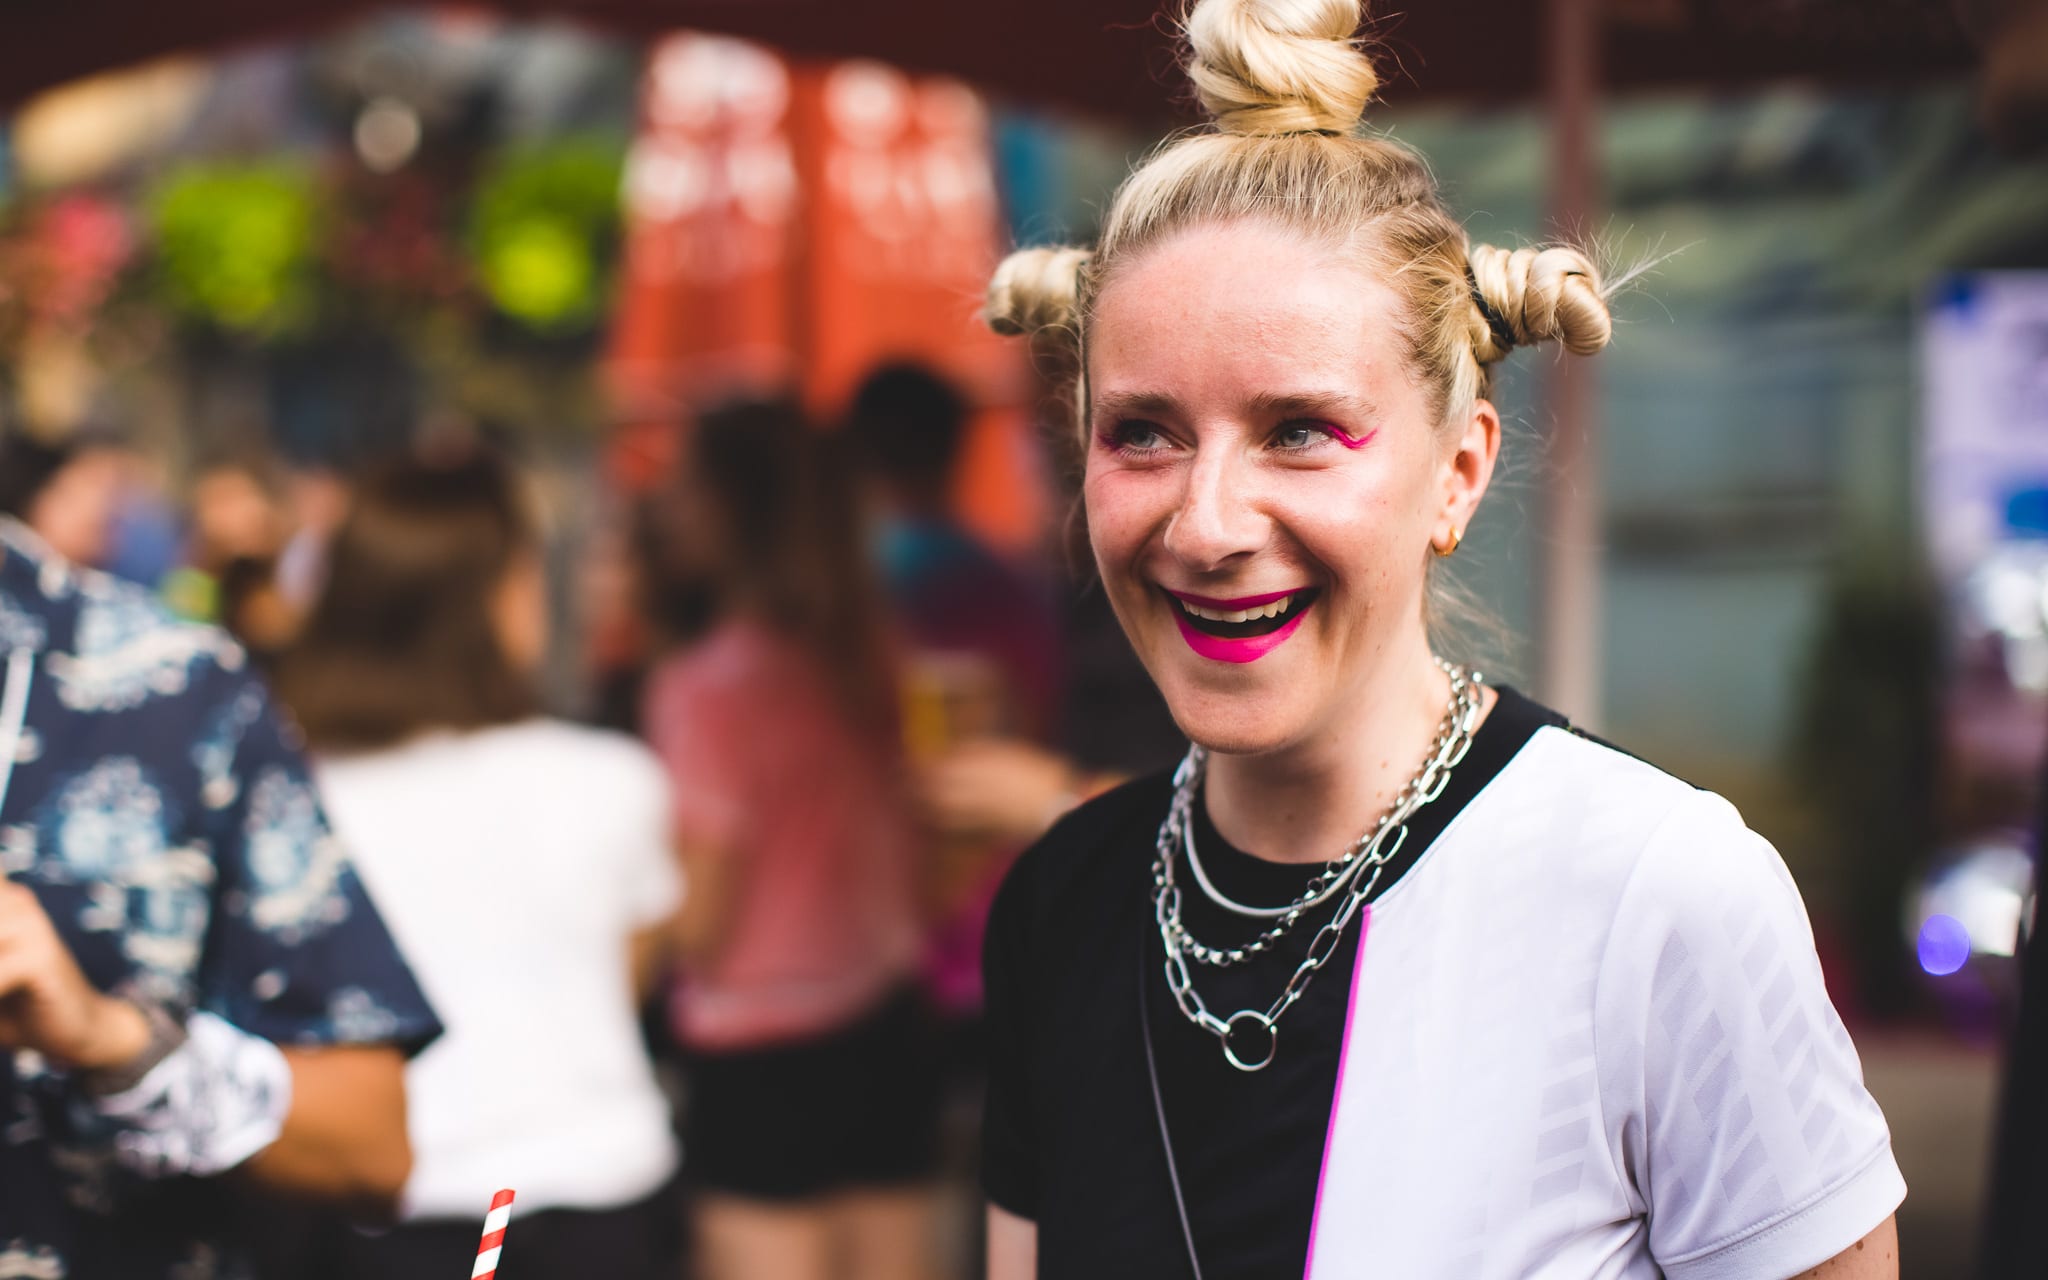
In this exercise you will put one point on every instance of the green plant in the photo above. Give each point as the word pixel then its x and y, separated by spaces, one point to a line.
pixel 542 229
pixel 236 244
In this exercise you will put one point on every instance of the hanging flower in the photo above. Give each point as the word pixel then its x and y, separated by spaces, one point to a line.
pixel 81 242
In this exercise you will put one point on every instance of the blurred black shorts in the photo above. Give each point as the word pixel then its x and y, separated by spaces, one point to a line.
pixel 854 1108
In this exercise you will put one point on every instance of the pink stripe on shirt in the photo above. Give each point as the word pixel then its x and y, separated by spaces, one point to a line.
pixel 1343 1060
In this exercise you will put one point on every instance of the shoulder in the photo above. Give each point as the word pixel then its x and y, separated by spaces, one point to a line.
pixel 1101 838
pixel 113 646
pixel 1614 834
pixel 681 689
pixel 1640 858
pixel 1703 869
pixel 1594 802
pixel 734 660
pixel 1563 756
pixel 621 764
pixel 601 749
pixel 1063 900
pixel 600 765
pixel 111 609
pixel 1654 823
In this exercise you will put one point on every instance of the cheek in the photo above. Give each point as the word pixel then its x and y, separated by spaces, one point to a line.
pixel 1368 535
pixel 1341 515
pixel 1124 506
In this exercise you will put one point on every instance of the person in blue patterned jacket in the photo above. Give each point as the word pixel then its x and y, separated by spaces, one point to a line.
pixel 194 988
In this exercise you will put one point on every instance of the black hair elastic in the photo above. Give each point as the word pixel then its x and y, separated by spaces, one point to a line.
pixel 1503 332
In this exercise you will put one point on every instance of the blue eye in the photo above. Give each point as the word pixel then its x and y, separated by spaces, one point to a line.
pixel 1133 437
pixel 1297 436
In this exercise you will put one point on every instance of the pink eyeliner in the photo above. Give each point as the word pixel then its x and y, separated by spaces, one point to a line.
pixel 1350 441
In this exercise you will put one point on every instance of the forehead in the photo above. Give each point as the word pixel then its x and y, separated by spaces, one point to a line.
pixel 1246 311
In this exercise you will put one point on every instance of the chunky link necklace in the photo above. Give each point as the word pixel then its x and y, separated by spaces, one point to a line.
pixel 1354 873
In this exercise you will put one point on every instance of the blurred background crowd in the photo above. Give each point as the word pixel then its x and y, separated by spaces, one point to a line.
pixel 498 374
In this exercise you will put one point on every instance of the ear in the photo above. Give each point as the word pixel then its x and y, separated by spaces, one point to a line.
pixel 1467 470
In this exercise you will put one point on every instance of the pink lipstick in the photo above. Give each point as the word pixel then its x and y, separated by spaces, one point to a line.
pixel 1245 645
pixel 1244 649
pixel 1248 602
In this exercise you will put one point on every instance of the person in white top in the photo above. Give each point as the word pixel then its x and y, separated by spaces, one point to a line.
pixel 525 867
pixel 1397 975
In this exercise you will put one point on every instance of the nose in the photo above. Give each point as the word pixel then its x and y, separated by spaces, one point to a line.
pixel 1219 518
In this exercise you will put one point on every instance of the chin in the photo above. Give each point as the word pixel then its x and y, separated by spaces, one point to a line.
pixel 1246 723
pixel 1235 740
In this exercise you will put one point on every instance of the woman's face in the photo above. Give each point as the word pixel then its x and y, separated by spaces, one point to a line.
pixel 1265 480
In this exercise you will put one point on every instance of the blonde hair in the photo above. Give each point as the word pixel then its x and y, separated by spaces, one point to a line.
pixel 1287 83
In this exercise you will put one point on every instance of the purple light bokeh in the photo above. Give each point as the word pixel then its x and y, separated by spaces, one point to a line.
pixel 1944 945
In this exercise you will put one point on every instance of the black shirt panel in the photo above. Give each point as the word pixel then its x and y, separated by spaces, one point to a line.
pixel 1072 1141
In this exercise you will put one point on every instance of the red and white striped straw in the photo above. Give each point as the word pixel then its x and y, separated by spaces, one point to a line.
pixel 494 1237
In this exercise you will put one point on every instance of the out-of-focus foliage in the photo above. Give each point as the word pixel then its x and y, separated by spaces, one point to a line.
pixel 272 249
pixel 542 227
pixel 237 244
pixel 256 268
pixel 485 284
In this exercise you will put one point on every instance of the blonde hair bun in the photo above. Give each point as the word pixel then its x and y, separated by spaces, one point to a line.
pixel 1538 294
pixel 1034 290
pixel 1280 66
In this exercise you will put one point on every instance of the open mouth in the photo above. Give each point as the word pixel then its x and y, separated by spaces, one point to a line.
pixel 1243 619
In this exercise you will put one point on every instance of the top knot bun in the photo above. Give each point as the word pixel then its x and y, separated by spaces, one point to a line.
pixel 1280 66
pixel 1540 295
pixel 1036 290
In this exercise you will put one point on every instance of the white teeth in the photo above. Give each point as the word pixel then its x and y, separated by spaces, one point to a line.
pixel 1271 610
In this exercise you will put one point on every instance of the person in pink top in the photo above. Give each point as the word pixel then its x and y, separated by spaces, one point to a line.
pixel 810 1116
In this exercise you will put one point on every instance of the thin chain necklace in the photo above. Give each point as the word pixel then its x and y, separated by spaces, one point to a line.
pixel 1379 845
pixel 1354 873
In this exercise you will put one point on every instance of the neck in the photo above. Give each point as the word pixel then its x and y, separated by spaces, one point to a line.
pixel 1307 801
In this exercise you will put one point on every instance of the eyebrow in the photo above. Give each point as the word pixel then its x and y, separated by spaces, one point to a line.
pixel 1120 404
pixel 1314 403
pixel 1291 404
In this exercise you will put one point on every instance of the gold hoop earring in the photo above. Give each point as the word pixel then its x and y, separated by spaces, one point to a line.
pixel 1445 553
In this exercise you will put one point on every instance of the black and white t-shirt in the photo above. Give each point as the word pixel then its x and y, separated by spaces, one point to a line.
pixel 1588 1038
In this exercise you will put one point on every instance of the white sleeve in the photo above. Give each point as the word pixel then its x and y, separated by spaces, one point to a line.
pixel 1745 1125
pixel 653 875
pixel 213 1102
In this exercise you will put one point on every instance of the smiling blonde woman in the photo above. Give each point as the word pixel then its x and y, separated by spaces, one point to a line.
pixel 1398 975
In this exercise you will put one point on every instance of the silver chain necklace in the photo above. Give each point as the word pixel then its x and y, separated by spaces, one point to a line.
pixel 1378 846
pixel 1355 873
